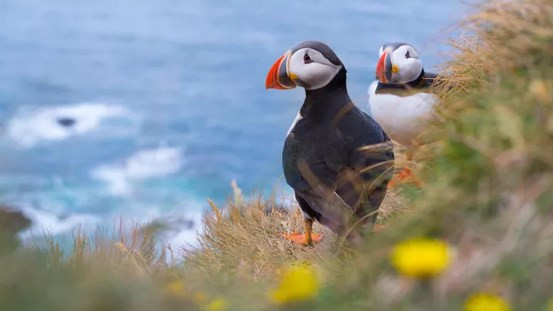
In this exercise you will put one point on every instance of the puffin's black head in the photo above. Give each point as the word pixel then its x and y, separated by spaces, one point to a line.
pixel 399 63
pixel 311 65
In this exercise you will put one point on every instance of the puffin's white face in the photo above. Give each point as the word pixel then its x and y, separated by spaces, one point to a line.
pixel 399 65
pixel 310 69
pixel 306 67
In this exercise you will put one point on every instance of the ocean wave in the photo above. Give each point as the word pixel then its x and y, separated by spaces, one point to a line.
pixel 51 223
pixel 144 164
pixel 179 229
pixel 28 128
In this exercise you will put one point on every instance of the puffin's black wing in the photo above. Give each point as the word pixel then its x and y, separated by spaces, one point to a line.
pixel 369 146
pixel 371 161
pixel 312 160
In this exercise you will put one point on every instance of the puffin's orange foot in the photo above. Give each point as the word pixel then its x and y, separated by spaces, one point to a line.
pixel 406 175
pixel 300 238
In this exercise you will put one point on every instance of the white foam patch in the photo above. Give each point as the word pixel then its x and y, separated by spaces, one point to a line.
pixel 44 221
pixel 181 224
pixel 31 127
pixel 182 230
pixel 144 164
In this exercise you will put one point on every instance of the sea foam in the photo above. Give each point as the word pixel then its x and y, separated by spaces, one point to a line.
pixel 180 228
pixel 30 127
pixel 144 164
pixel 54 224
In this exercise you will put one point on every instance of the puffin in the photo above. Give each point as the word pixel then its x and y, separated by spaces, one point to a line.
pixel 336 158
pixel 400 99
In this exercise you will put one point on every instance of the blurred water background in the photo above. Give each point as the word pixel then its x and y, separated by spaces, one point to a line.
pixel 144 108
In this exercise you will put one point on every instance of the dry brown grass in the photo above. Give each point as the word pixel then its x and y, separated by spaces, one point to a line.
pixel 504 37
pixel 245 239
pixel 132 246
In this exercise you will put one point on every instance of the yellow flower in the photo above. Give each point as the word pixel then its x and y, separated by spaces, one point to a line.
pixel 298 283
pixel 218 304
pixel 550 305
pixel 421 257
pixel 486 302
pixel 176 288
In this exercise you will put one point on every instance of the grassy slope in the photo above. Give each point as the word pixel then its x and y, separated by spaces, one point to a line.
pixel 488 178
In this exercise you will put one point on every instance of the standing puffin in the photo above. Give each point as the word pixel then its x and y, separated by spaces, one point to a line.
pixel 400 100
pixel 337 159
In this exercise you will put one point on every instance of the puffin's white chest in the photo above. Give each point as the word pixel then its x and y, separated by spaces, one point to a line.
pixel 402 118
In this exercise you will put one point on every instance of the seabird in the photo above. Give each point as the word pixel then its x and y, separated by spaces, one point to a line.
pixel 400 100
pixel 337 159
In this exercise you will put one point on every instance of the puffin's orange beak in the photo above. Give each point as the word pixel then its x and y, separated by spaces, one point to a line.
pixel 278 77
pixel 384 68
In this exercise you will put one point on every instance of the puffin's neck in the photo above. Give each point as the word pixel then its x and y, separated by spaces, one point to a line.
pixel 418 81
pixel 325 103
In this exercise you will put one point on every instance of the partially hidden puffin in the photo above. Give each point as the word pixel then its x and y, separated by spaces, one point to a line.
pixel 337 159
pixel 400 100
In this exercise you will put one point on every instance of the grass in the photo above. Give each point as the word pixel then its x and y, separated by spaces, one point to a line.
pixel 486 163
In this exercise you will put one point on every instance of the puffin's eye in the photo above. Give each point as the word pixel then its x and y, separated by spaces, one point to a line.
pixel 407 55
pixel 307 59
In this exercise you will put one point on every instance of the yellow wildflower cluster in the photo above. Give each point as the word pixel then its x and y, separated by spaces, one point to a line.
pixel 486 302
pixel 421 257
pixel 298 283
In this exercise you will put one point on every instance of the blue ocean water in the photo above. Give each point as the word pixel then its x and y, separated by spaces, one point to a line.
pixel 167 97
